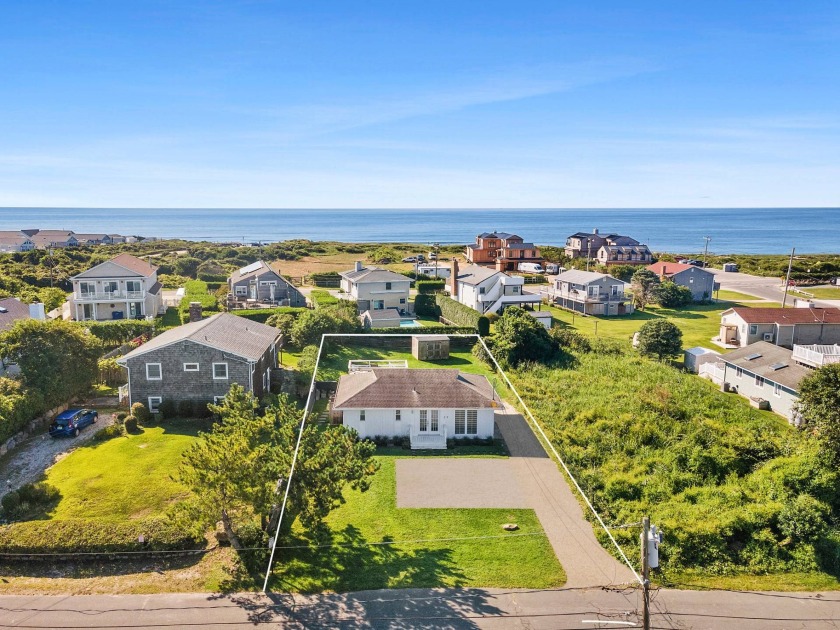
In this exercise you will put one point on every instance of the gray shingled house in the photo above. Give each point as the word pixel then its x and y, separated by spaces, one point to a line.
pixel 259 283
pixel 199 361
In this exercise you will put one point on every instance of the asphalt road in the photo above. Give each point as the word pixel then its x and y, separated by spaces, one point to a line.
pixel 761 287
pixel 456 609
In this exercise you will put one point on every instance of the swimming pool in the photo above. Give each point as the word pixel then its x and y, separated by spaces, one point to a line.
pixel 409 323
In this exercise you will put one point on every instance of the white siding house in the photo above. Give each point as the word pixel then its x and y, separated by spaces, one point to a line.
pixel 124 287
pixel 376 289
pixel 426 405
pixel 488 291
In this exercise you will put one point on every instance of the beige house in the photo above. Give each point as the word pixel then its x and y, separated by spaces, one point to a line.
pixel 590 293
pixel 375 289
pixel 124 287
pixel 743 326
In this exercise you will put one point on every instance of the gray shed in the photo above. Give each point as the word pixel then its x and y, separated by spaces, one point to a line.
pixel 430 347
pixel 693 358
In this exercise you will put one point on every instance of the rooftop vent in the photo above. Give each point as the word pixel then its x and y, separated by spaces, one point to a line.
pixel 753 357
pixel 778 366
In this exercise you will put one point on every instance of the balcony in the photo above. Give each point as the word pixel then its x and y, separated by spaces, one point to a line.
pixel 817 355
pixel 107 296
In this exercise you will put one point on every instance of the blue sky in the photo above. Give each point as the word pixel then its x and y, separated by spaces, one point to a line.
pixel 419 104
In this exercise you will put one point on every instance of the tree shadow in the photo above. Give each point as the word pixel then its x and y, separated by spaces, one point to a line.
pixel 87 567
pixel 353 563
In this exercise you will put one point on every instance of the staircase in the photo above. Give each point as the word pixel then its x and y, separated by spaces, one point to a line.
pixel 428 441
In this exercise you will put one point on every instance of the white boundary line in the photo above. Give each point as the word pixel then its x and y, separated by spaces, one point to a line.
pixel 509 384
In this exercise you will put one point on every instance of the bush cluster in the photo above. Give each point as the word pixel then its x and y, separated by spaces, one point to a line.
pixel 18 406
pixel 462 315
pixel 430 286
pixel 322 298
pixel 91 536
pixel 111 431
pixel 263 315
pixel 120 331
pixel 27 497
pixel 197 291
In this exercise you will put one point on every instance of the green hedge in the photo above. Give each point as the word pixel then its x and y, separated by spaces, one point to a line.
pixel 197 291
pixel 424 304
pixel 328 278
pixel 322 298
pixel 118 331
pixel 91 536
pixel 430 286
pixel 18 406
pixel 262 314
pixel 424 330
pixel 462 315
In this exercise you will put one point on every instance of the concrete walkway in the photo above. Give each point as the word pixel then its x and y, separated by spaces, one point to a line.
pixel 546 491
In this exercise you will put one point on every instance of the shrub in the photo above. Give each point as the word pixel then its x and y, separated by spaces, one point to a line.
pixel 91 536
pixel 457 313
pixel 36 494
pixel 429 286
pixel 326 279
pixel 268 315
pixel 114 333
pixel 424 304
pixel 804 519
pixel 11 504
pixel 570 339
pixel 131 424
pixel 140 413
pixel 483 326
pixel 168 409
pixel 111 431
pixel 186 408
pixel 671 295
pixel 120 416
pixel 660 338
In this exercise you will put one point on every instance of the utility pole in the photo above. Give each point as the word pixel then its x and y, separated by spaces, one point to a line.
pixel 645 574
pixel 787 278
pixel 588 251
pixel 706 250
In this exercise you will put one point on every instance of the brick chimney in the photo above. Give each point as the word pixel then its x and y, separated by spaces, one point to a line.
pixel 453 279
pixel 195 311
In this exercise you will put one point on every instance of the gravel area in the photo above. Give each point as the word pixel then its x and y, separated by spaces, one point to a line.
pixel 31 458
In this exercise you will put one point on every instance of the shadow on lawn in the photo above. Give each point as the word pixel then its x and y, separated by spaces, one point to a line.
pixel 87 568
pixel 352 563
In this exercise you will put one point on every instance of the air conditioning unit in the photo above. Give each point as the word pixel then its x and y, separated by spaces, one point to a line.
pixel 768 336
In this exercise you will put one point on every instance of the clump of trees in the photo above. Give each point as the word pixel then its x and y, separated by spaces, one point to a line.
pixel 819 405
pixel 518 338
pixel 233 470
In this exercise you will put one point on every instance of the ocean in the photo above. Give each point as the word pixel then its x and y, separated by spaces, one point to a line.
pixel 739 230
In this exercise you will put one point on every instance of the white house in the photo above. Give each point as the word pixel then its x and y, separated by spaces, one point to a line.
pixel 488 291
pixel 376 289
pixel 11 241
pixel 427 405
pixel 123 287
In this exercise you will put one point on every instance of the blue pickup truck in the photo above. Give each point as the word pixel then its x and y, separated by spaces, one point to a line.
pixel 69 423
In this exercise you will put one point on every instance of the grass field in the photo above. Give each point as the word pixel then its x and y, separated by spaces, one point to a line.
pixel 123 478
pixel 821 293
pixel 698 322
pixel 734 296
pixel 334 362
pixel 372 517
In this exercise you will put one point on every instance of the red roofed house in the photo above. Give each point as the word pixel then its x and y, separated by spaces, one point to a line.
pixel 699 281
pixel 125 287
pixel 782 326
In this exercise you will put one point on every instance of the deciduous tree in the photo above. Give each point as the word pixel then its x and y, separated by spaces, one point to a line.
pixel 660 338
pixel 819 404
pixel 644 285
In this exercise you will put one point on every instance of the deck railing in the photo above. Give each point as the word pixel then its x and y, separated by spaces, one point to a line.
pixel 823 355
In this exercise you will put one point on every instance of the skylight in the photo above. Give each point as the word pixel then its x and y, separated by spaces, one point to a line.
pixel 778 366
pixel 752 357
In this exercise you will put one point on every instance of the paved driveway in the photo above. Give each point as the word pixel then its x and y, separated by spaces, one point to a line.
pixel 528 479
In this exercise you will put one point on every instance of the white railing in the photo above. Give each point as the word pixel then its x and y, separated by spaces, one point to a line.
pixel 424 440
pixel 712 371
pixel 356 365
pixel 111 295
pixel 822 355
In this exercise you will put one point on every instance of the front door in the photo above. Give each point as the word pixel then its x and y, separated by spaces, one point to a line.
pixel 428 421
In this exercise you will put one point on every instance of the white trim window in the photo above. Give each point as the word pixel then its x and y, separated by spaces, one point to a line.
pixel 759 381
pixel 753 329
pixel 362 415
pixel 397 415
pixel 218 400
pixel 472 422
pixel 220 371
pixel 739 372
pixel 241 290
pixel 777 390
pixel 154 372
pixel 266 379
pixel 190 367
pixel 154 403
pixel 460 422
pixel 433 421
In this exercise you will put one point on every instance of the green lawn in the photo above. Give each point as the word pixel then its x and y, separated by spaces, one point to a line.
pixel 698 322
pixel 123 478
pixel 821 293
pixel 353 563
pixel 428 320
pixel 734 296
pixel 334 362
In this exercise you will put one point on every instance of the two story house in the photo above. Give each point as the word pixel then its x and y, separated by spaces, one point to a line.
pixel 502 250
pixel 122 287
pixel 786 327
pixel 375 289
pixel 700 282
pixel 199 361
pixel 259 283
pixel 611 249
pixel 487 290
pixel 13 241
pixel 590 293
pixel 426 405
pixel 45 239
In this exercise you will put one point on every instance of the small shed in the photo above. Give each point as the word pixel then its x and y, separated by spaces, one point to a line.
pixel 693 358
pixel 543 317
pixel 430 347
pixel 730 267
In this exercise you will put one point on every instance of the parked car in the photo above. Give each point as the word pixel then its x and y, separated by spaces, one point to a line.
pixel 432 256
pixel 421 258
pixel 410 259
pixel 69 423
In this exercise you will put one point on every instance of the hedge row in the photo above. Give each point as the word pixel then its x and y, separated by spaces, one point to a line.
pixel 197 291
pixel 327 278
pixel 462 315
pixel 120 331
pixel 430 286
pixel 17 407
pixel 424 330
pixel 322 298
pixel 91 536
pixel 424 304
pixel 262 314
